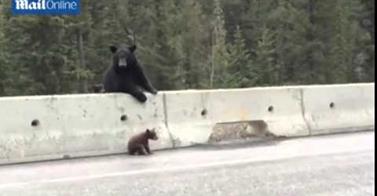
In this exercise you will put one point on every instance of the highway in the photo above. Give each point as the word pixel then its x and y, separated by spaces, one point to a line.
pixel 330 165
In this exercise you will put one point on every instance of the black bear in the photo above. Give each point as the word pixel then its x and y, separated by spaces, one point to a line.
pixel 139 144
pixel 126 75
pixel 97 88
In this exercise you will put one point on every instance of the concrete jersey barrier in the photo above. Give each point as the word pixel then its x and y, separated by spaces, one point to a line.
pixel 338 108
pixel 38 128
pixel 191 115
pixel 54 127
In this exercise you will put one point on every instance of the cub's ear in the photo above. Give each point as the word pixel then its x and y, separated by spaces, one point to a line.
pixel 132 48
pixel 113 49
pixel 148 131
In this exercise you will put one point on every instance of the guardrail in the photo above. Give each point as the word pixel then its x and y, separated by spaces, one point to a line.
pixel 35 128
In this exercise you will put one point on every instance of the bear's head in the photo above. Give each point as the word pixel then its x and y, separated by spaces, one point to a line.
pixel 151 134
pixel 123 56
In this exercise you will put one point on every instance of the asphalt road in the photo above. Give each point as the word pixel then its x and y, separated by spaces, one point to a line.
pixel 330 165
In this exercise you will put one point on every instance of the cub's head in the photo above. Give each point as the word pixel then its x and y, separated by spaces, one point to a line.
pixel 151 134
pixel 123 56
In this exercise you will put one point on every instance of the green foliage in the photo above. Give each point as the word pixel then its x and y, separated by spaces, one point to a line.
pixel 241 71
pixel 220 55
pixel 190 44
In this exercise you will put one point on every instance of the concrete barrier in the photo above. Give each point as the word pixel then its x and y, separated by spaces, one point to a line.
pixel 187 117
pixel 339 108
pixel 191 115
pixel 285 111
pixel 52 127
pixel 278 107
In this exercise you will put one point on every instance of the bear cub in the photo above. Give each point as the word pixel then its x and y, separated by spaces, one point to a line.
pixel 138 144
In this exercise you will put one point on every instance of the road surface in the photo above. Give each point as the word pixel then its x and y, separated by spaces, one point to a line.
pixel 331 165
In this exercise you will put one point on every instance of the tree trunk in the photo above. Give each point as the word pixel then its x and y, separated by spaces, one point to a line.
pixel 82 81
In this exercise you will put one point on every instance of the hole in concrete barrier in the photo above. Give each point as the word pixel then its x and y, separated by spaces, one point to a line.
pixel 35 123
pixel 332 105
pixel 257 129
pixel 123 117
pixel 270 108
pixel 204 112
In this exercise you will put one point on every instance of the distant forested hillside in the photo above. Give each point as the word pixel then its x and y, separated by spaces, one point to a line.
pixel 191 44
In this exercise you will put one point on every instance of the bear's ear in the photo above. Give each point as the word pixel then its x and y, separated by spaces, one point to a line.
pixel 148 131
pixel 132 48
pixel 113 49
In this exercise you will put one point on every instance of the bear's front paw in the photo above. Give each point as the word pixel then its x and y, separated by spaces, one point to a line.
pixel 153 91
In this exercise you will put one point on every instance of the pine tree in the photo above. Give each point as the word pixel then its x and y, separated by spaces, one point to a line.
pixel 366 44
pixel 341 67
pixel 3 54
pixel 240 71
pixel 192 44
pixel 219 56
pixel 266 67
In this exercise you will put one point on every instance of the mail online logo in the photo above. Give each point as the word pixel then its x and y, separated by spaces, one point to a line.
pixel 46 7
